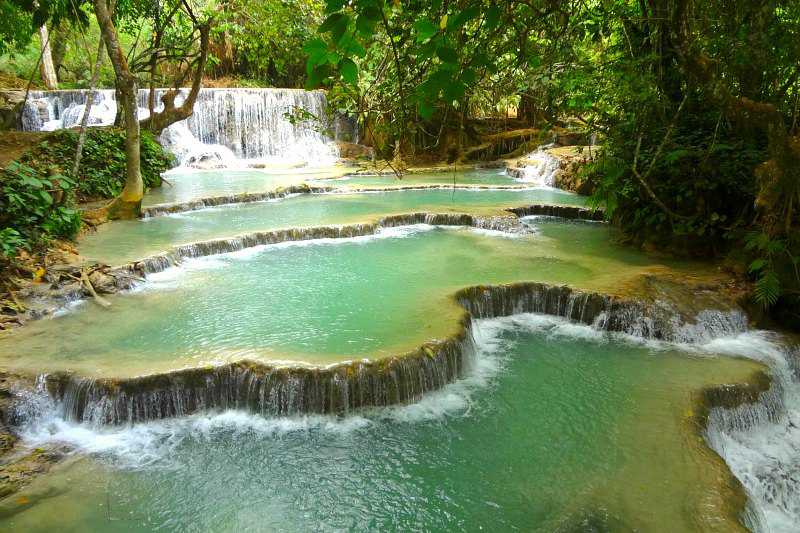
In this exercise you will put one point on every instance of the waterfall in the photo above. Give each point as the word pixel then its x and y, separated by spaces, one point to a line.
pixel 264 389
pixel 173 257
pixel 760 439
pixel 560 211
pixel 228 127
pixel 538 168
pixel 343 387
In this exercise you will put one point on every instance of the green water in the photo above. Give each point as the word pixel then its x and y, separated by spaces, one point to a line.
pixel 493 176
pixel 315 302
pixel 182 185
pixel 121 242
pixel 557 428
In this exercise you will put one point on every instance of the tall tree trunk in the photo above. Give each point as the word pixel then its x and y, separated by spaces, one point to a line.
pixel 46 67
pixel 129 203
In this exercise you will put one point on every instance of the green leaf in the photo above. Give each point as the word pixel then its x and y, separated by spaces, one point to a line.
pixel 373 13
pixel 331 22
pixel 767 289
pixel 317 51
pixel 463 17
pixel 425 109
pixel 349 70
pixel 46 198
pixel 354 48
pixel 468 76
pixel 454 91
pixel 757 265
pixel 334 5
pixel 492 17
pixel 32 182
pixel 480 60
pixel 447 54
pixel 340 28
pixel 426 50
pixel 365 25
pixel 425 29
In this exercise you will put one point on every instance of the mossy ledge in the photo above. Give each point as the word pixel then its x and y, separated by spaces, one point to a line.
pixel 215 201
pixel 108 280
pixel 303 188
pixel 341 388
pixel 157 263
pixel 560 211
pixel 508 223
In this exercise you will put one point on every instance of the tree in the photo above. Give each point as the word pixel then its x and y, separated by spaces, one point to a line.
pixel 46 67
pixel 129 202
pixel 164 18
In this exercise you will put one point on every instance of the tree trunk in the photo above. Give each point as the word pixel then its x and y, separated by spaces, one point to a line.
pixel 46 67
pixel 128 204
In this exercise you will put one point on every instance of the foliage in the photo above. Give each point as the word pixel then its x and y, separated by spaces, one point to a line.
pixel 15 25
pixel 34 207
pixel 10 242
pixel 400 66
pixel 264 40
pixel 102 171
pixel 775 265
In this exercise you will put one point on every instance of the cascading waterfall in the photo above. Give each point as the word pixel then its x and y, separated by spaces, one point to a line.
pixel 263 389
pixel 341 388
pixel 160 262
pixel 52 110
pixel 228 127
pixel 538 168
pixel 760 440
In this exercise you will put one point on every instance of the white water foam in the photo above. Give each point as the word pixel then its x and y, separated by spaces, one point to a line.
pixel 540 169
pixel 761 442
pixel 170 277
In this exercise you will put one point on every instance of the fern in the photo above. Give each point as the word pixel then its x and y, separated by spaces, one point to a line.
pixel 767 289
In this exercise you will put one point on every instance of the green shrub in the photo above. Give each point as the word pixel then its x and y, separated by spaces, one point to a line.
pixel 34 208
pixel 102 171
pixel 10 242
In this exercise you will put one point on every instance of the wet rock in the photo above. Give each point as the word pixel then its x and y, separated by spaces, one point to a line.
pixel 349 150
pixel 560 211
pixel 10 102
pixel 103 282
pixel 21 470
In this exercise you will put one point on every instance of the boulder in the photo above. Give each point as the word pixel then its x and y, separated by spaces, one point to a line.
pixel 355 151
pixel 10 102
